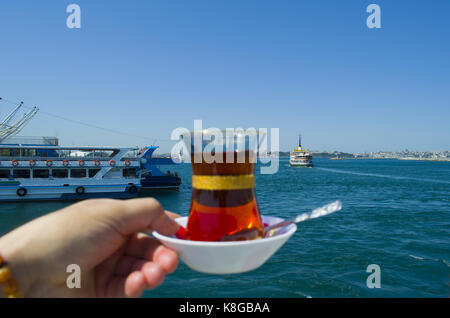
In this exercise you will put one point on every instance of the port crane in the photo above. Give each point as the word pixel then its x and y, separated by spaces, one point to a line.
pixel 8 128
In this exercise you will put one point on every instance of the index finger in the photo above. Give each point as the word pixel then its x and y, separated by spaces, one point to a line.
pixel 140 215
pixel 173 215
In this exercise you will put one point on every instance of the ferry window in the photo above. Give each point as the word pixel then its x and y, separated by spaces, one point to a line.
pixel 21 173
pixel 129 172
pixel 41 173
pixel 27 152
pixel 78 173
pixel 5 152
pixel 60 173
pixel 93 172
pixel 4 173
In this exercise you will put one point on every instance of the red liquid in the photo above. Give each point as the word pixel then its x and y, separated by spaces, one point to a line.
pixel 218 213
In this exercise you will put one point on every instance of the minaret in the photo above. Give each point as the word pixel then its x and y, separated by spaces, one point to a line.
pixel 299 142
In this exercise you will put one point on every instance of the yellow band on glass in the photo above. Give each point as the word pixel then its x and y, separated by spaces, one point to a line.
pixel 246 181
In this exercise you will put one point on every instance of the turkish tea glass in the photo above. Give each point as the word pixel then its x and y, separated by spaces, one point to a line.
pixel 223 185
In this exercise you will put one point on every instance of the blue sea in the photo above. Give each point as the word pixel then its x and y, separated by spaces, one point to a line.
pixel 396 214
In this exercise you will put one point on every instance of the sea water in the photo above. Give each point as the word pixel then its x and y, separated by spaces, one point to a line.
pixel 396 214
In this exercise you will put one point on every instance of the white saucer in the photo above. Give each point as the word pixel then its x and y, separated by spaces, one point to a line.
pixel 227 257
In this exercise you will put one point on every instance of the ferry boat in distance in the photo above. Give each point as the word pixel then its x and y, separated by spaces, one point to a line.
pixel 300 156
pixel 46 171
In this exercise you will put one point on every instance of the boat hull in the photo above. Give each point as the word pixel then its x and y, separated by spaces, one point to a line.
pixel 160 182
pixel 67 193
pixel 300 163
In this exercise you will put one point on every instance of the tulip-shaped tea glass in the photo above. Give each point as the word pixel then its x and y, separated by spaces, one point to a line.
pixel 223 185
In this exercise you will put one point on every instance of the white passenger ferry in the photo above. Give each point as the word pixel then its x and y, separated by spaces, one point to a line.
pixel 300 156
pixel 37 168
pixel 51 172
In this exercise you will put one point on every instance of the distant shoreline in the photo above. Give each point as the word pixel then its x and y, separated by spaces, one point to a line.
pixel 412 159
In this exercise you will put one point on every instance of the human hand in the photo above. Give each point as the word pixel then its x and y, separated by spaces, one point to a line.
pixel 103 237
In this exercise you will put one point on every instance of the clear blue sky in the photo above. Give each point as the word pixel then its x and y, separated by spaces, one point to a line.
pixel 146 67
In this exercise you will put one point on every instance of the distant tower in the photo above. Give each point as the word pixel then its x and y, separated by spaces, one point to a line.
pixel 299 141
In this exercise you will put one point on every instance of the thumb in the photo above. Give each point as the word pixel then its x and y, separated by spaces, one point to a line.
pixel 139 215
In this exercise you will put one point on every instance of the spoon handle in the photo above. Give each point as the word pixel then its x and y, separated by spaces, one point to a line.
pixel 318 212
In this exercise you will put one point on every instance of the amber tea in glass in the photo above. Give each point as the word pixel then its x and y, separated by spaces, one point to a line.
pixel 223 198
